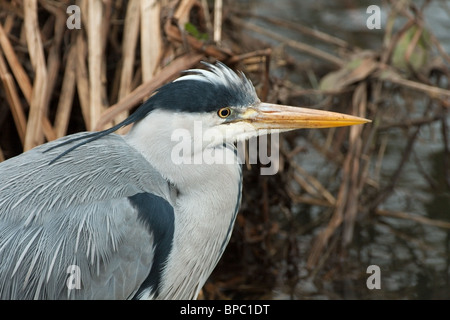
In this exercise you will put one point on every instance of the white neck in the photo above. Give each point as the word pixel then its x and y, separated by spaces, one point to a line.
pixel 205 209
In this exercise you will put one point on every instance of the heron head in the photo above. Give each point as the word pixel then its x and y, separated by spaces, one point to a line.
pixel 222 106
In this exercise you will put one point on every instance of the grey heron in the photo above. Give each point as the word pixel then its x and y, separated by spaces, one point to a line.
pixel 97 215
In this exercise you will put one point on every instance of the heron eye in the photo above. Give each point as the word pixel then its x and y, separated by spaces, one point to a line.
pixel 224 112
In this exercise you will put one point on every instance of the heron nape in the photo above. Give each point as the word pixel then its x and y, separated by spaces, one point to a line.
pixel 97 215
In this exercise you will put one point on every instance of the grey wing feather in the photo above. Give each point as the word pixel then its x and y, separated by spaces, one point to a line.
pixel 67 229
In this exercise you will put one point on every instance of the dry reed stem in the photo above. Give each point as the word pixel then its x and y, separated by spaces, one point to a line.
pixel 16 67
pixel 218 7
pixel 129 42
pixel 67 94
pixel 9 23
pixel 13 99
pixel 95 55
pixel 151 40
pixel 205 9
pixel 443 95
pixel 82 77
pixel 356 174
pixel 47 129
pixel 53 58
pixel 34 134
pixel 181 14
pixel 53 63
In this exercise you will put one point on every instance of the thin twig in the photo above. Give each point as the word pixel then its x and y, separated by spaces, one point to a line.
pixel 297 26
pixel 289 42
pixel 413 217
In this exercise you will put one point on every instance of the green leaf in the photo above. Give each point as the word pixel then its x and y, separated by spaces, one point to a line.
pixel 193 31
pixel 419 54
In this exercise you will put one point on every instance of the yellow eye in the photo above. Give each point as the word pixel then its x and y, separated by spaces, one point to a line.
pixel 224 112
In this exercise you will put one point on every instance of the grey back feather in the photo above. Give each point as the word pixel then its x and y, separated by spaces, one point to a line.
pixel 76 197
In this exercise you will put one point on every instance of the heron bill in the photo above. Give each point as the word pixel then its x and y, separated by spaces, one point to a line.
pixel 275 116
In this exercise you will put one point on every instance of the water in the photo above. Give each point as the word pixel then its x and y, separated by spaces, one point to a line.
pixel 414 258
